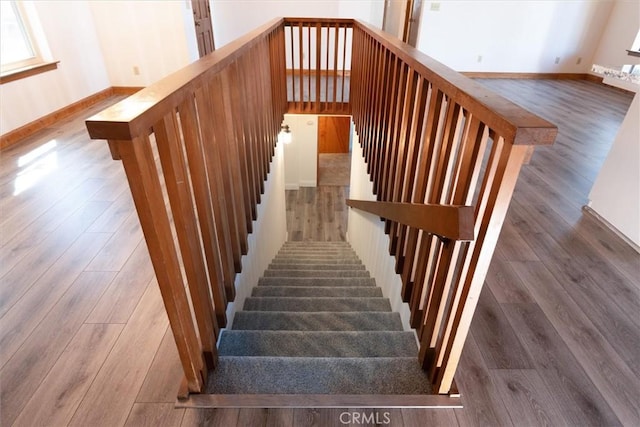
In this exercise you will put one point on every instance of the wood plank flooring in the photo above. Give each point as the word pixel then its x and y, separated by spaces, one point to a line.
pixel 84 338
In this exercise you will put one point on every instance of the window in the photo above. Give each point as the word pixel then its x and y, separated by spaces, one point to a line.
pixel 18 49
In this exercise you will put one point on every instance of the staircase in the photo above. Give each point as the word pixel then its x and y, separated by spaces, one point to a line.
pixel 317 324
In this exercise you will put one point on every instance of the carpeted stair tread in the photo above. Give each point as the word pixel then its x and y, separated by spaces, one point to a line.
pixel 315 304
pixel 295 375
pixel 316 291
pixel 317 321
pixel 303 266
pixel 318 344
pixel 316 261
pixel 316 273
pixel 316 281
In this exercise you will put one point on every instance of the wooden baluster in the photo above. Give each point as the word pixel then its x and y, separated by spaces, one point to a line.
pixel 382 119
pixel 220 150
pixel 205 112
pixel 379 112
pixel 392 136
pixel 419 110
pixel 356 73
pixel 441 283
pixel 139 165
pixel 309 69
pixel 301 66
pixel 344 68
pixel 389 118
pixel 176 178
pixel 237 106
pixel 371 95
pixel 491 211
pixel 202 196
pixel 406 123
pixel 326 71
pixel 249 134
pixel 335 65
pixel 229 146
pixel 414 289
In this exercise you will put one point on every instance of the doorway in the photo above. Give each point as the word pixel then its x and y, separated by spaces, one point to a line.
pixel 334 147
pixel 204 26
pixel 401 19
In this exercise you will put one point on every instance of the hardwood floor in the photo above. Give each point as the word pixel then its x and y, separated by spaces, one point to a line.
pixel 84 339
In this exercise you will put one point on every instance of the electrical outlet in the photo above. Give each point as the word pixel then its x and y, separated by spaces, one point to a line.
pixel 435 7
pixel 479 58
pixel 579 60
pixel 557 59
pixel 136 70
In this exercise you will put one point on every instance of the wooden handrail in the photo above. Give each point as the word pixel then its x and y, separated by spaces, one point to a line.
pixel 446 221
pixel 136 114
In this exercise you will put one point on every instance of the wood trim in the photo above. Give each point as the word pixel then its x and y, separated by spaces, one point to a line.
pixel 313 71
pixel 126 90
pixel 25 72
pixel 318 401
pixel 452 222
pixel 17 135
pixel 547 76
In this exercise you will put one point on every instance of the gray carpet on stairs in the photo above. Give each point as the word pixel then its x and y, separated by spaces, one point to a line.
pixel 317 324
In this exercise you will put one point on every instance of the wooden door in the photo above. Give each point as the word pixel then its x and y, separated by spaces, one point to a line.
pixel 413 23
pixel 396 17
pixel 333 134
pixel 204 27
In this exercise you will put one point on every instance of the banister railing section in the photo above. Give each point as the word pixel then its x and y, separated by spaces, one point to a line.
pixel 443 154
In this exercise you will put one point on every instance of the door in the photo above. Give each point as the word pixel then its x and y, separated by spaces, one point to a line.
pixel 413 22
pixel 333 134
pixel 204 27
pixel 396 14
pixel 402 18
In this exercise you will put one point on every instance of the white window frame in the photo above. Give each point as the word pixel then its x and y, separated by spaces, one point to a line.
pixel 29 38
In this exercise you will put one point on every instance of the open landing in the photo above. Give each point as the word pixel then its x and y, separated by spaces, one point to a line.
pixel 317 332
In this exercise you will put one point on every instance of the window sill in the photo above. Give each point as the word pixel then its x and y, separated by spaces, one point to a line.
pixel 25 72
pixel 633 52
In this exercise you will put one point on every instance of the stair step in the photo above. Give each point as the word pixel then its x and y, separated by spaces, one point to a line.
pixel 313 254
pixel 294 375
pixel 318 291
pixel 285 252
pixel 316 281
pixel 316 273
pixel 312 243
pixel 318 321
pixel 317 261
pixel 318 344
pixel 316 304
pixel 287 266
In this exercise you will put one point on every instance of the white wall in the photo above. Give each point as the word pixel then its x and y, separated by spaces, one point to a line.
pixel 366 235
pixel 514 35
pixel 615 195
pixel 301 156
pixel 622 28
pixel 158 37
pixel 270 233
pixel 69 30
pixel 234 18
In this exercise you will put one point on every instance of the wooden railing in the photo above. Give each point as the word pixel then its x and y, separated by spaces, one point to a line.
pixel 433 137
pixel 443 154
pixel 196 148
pixel 318 55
